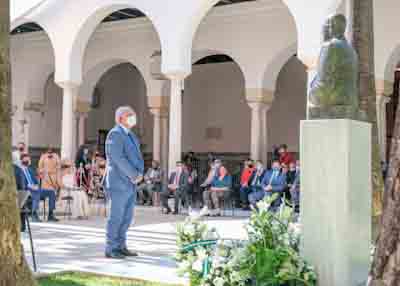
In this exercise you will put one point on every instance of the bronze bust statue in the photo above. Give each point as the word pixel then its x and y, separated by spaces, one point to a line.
pixel 334 90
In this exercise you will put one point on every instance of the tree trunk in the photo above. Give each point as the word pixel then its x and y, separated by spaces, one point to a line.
pixel 14 270
pixel 385 268
pixel 363 41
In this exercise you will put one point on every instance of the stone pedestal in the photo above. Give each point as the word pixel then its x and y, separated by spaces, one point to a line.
pixel 336 199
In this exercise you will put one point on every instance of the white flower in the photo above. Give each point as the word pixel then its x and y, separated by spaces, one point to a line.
pixel 184 266
pixel 198 265
pixel 219 281
pixel 201 253
pixel 190 230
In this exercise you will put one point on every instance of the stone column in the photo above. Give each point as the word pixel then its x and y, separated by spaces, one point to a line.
pixel 68 128
pixel 175 123
pixel 260 101
pixel 82 128
pixel 381 101
pixel 156 134
pixel 159 105
pixel 164 144
pixel 311 72
pixel 383 90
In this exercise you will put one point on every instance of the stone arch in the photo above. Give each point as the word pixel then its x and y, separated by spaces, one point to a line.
pixel 214 96
pixel 391 64
pixel 289 105
pixel 117 82
pixel 274 67
pixel 94 74
pixel 25 23
pixel 71 56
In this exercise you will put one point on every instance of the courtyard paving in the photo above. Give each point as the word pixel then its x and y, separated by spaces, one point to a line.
pixel 79 245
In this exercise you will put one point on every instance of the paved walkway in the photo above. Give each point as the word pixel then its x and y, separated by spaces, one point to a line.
pixel 79 246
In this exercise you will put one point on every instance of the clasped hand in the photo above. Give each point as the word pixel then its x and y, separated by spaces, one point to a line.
pixel 137 180
pixel 268 188
pixel 33 187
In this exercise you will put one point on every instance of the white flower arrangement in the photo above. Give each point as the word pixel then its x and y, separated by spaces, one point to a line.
pixel 269 256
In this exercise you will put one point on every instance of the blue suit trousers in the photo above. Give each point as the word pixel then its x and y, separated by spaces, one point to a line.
pixel 120 218
pixel 43 194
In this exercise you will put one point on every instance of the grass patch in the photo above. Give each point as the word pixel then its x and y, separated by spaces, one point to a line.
pixel 81 279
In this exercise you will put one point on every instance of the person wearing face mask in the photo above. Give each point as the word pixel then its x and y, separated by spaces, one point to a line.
pixel 221 183
pixel 49 169
pixel 37 193
pixel 273 182
pixel 16 154
pixel 125 168
pixel 80 201
pixel 83 166
pixel 178 184
pixel 255 182
pixel 295 189
pixel 290 177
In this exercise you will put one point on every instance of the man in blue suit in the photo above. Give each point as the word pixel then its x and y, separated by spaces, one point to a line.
pixel 254 184
pixel 32 184
pixel 274 182
pixel 21 186
pixel 125 168
pixel 178 184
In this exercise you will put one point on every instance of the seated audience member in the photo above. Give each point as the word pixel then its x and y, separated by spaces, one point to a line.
pixel 214 166
pixel 295 189
pixel 16 154
pixel 152 183
pixel 210 177
pixel 97 188
pixel 244 182
pixel 275 152
pixel 255 182
pixel 285 157
pixel 290 176
pixel 83 165
pixel 80 201
pixel 37 193
pixel 21 186
pixel 192 183
pixel 177 187
pixel 274 182
pixel 221 183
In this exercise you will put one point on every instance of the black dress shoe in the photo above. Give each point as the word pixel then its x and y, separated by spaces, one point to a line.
pixel 127 252
pixel 52 219
pixel 115 255
pixel 35 218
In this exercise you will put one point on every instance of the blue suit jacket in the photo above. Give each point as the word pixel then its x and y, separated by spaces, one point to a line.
pixel 33 177
pixel 124 159
pixel 20 179
pixel 252 177
pixel 278 183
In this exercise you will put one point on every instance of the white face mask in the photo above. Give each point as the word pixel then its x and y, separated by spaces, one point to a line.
pixel 131 121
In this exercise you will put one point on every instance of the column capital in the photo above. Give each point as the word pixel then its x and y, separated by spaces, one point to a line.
pixel 311 63
pixel 34 106
pixel 68 85
pixel 82 107
pixel 383 87
pixel 176 75
pixel 159 112
pixel 259 96
pixel 158 102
